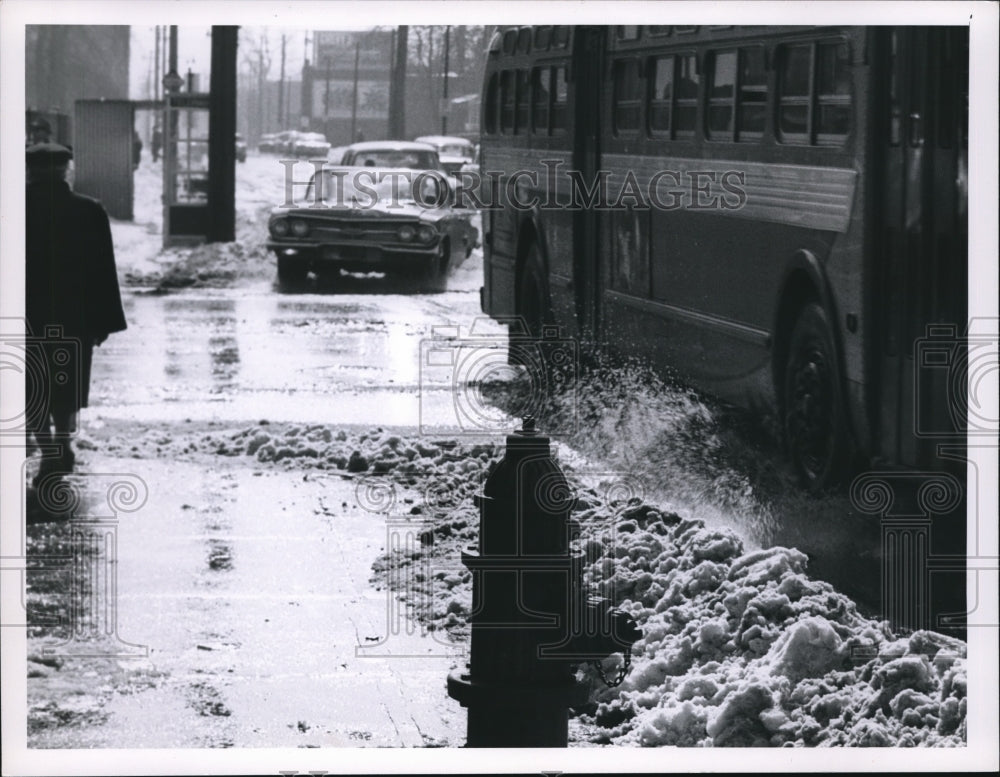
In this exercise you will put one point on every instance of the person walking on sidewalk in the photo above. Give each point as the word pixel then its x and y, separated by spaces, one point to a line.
pixel 72 300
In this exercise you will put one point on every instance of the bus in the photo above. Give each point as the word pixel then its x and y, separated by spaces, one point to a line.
pixel 779 214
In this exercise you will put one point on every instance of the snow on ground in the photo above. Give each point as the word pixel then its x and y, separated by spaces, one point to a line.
pixel 739 648
pixel 142 260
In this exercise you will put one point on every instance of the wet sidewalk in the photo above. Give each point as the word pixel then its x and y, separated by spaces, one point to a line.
pixel 249 593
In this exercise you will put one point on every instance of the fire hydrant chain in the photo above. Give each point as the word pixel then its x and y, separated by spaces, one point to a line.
pixel 622 673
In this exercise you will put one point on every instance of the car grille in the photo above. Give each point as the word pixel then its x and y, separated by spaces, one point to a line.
pixel 360 231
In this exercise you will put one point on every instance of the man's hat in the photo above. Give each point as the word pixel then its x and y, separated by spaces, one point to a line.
pixel 48 154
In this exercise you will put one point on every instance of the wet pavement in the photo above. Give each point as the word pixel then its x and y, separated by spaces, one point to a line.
pixel 243 596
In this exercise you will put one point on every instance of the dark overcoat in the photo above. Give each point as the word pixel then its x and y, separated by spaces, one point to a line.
pixel 71 290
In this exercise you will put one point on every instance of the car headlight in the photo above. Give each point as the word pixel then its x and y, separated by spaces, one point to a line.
pixel 426 234
pixel 279 228
pixel 300 228
pixel 406 233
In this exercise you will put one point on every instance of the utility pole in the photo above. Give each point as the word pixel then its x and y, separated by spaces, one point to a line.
pixel 444 98
pixel 260 89
pixel 281 85
pixel 221 129
pixel 326 101
pixel 397 86
pixel 354 103
pixel 156 58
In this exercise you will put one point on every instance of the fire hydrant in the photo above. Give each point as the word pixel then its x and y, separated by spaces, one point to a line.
pixel 531 620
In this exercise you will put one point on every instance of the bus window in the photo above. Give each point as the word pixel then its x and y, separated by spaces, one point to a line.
pixel 752 95
pixel 491 106
pixel 895 111
pixel 686 104
pixel 661 94
pixel 524 41
pixel 507 102
pixel 540 94
pixel 627 95
pixel 721 88
pixel 658 29
pixel 509 41
pixel 522 102
pixel 793 93
pixel 833 93
pixel 557 119
pixel 628 32
pixel 560 37
pixel 543 35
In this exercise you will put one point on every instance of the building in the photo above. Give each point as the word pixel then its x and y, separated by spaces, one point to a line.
pixel 66 63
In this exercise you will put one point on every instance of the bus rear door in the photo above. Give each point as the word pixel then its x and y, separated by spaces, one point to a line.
pixel 921 295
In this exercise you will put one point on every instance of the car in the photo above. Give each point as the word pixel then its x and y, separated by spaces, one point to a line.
pixel 453 151
pixel 283 141
pixel 392 153
pixel 396 215
pixel 266 143
pixel 309 144
pixel 241 148
pixel 473 166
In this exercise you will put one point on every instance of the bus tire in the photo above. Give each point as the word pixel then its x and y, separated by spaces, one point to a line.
pixel 815 423
pixel 532 306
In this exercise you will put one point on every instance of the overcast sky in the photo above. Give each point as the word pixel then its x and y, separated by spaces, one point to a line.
pixel 194 51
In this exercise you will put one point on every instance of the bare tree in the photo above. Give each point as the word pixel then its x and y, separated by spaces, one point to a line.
pixel 256 65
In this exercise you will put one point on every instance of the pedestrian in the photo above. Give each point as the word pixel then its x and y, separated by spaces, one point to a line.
pixel 157 142
pixel 136 149
pixel 72 300
pixel 39 131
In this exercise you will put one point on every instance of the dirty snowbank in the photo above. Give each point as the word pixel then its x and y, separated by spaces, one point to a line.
pixel 142 261
pixel 739 649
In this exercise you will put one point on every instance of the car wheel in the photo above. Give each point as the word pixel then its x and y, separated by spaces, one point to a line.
pixel 434 276
pixel 814 419
pixel 291 270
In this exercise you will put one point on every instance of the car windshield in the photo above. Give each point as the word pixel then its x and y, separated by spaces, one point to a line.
pixel 411 160
pixel 345 187
pixel 456 149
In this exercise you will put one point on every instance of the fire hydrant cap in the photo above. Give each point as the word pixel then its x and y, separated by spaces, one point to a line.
pixel 527 438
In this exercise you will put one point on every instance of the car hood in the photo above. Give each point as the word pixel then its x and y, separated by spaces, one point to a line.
pixel 378 210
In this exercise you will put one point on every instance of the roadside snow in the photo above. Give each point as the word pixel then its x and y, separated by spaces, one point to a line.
pixel 739 648
pixel 142 260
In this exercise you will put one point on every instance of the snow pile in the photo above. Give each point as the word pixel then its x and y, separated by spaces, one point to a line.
pixel 739 648
pixel 744 649
pixel 142 261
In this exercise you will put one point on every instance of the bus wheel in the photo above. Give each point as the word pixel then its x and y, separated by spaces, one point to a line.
pixel 533 306
pixel 815 423
pixel 533 310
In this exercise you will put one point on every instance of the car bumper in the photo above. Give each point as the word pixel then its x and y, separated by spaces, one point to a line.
pixel 354 258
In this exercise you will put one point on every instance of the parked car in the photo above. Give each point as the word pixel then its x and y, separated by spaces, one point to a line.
pixel 309 144
pixel 283 142
pixel 454 151
pixel 266 143
pixel 473 166
pixel 395 215
pixel 241 148
pixel 392 153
